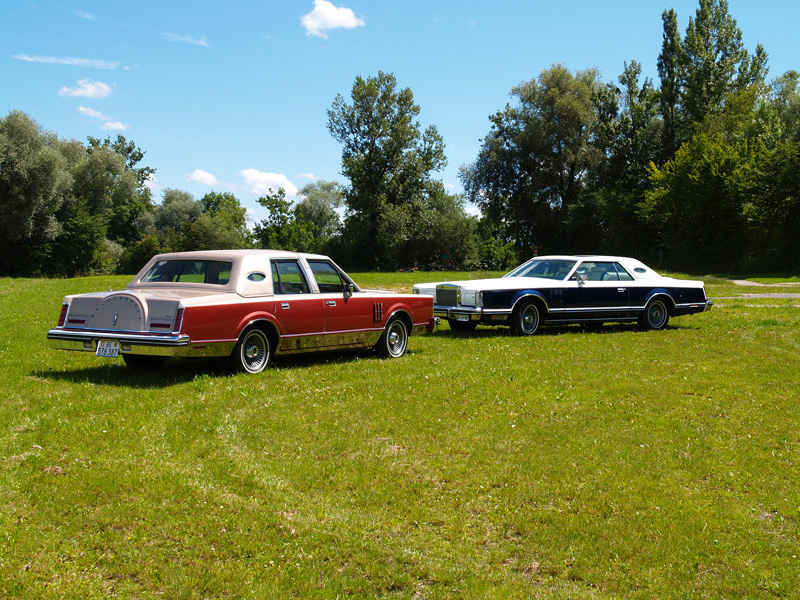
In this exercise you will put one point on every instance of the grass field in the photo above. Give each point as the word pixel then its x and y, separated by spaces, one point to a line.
pixel 604 464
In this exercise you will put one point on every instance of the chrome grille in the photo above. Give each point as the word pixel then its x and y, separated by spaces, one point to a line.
pixel 448 295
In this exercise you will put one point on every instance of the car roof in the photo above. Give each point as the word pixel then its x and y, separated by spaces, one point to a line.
pixel 221 254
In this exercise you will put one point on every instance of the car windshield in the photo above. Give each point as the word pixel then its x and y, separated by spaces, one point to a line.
pixel 189 271
pixel 546 269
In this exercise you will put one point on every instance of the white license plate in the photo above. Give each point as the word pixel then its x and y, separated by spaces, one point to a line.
pixel 107 348
pixel 462 317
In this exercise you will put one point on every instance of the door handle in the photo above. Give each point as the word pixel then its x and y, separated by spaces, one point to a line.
pixel 621 290
pixel 284 305
pixel 331 302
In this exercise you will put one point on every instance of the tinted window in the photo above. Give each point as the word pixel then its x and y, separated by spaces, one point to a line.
pixel 623 274
pixel 189 271
pixel 287 278
pixel 327 277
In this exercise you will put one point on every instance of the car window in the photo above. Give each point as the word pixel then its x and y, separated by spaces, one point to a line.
pixel 287 278
pixel 622 273
pixel 327 276
pixel 215 272
pixel 598 271
pixel 547 269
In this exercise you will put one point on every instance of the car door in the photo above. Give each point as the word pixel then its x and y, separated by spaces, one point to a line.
pixel 596 290
pixel 349 319
pixel 301 312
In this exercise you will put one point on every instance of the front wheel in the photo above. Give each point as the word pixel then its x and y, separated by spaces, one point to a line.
pixel 655 316
pixel 526 319
pixel 252 352
pixel 394 339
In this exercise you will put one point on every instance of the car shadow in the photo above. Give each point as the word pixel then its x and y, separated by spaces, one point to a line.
pixel 553 330
pixel 182 370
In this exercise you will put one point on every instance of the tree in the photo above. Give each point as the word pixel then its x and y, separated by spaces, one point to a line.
pixel 222 224
pixel 34 179
pixel 282 229
pixel 670 74
pixel 607 216
pixel 785 99
pixel 389 162
pixel 533 165
pixel 317 207
pixel 698 202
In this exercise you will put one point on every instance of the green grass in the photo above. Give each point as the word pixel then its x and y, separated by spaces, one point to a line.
pixel 610 464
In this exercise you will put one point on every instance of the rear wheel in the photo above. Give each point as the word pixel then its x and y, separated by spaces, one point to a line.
pixel 394 339
pixel 526 318
pixel 655 316
pixel 252 352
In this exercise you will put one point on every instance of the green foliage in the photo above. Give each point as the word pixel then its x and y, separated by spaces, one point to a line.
pixel 61 200
pixel 697 203
pixel 136 256
pixel 284 228
pixel 215 222
pixel 317 208
pixel 532 165
pixel 34 180
pixel 389 161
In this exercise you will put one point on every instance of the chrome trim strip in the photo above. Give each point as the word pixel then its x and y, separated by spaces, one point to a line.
pixel 584 309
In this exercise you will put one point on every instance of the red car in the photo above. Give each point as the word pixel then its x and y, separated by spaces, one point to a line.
pixel 247 305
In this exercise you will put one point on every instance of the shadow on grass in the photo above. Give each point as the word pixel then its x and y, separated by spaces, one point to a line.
pixel 182 370
pixel 553 330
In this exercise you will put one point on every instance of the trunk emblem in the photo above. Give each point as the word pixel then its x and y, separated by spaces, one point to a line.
pixel 114 320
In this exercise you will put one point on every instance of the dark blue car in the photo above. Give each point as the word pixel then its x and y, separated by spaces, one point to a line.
pixel 552 290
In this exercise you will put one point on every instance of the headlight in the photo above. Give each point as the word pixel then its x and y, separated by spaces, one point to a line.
pixel 471 297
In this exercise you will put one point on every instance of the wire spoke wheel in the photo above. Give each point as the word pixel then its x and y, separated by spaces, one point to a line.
pixel 252 353
pixel 394 340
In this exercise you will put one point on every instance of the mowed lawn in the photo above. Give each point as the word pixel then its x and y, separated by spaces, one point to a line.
pixel 604 464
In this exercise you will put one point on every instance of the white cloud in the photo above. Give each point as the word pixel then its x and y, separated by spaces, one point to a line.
pixel 327 16
pixel 108 123
pixel 174 37
pixel 95 114
pixel 307 176
pixel 260 182
pixel 204 177
pixel 114 126
pixel 85 15
pixel 152 184
pixel 75 62
pixel 87 89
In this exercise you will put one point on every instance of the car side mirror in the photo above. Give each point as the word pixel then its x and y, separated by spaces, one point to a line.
pixel 348 289
pixel 582 278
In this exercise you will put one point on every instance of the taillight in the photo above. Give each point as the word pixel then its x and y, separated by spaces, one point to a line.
pixel 176 326
pixel 63 316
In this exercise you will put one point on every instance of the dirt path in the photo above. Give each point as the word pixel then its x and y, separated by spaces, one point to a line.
pixel 746 283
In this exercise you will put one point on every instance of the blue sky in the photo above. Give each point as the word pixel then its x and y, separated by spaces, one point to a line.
pixel 232 96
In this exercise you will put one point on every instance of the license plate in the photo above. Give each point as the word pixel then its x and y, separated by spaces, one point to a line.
pixel 462 317
pixel 107 348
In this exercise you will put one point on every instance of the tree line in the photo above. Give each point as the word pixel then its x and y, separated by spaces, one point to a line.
pixel 699 172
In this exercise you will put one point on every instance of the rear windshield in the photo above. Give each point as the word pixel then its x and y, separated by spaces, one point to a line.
pixel 215 272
